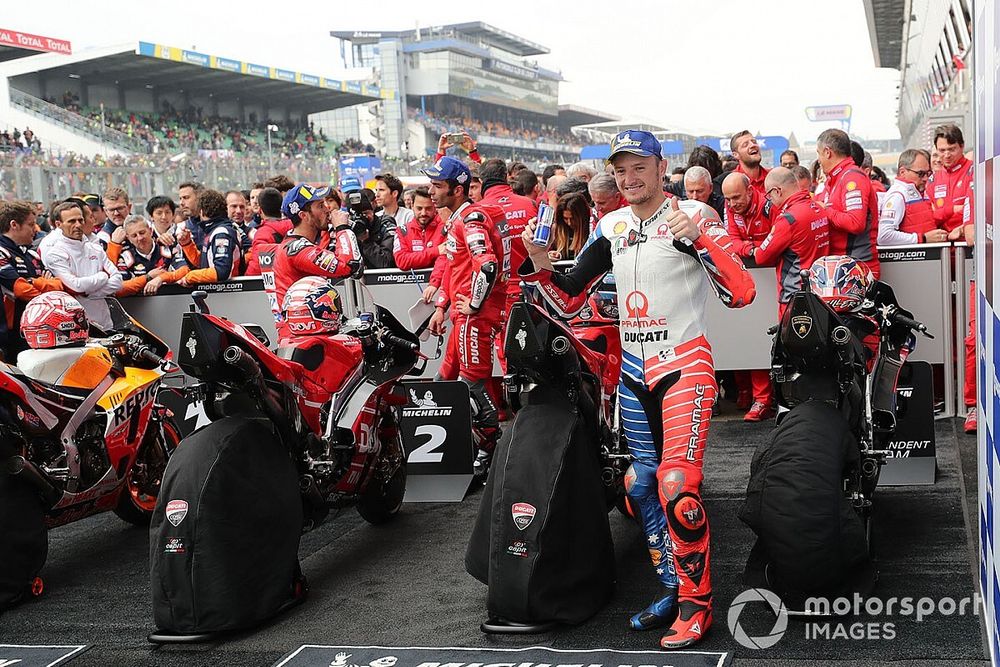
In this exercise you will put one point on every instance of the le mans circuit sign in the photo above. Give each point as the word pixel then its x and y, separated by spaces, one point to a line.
pixel 830 112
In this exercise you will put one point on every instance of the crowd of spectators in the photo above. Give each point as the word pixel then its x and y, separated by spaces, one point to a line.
pixel 20 143
pixel 441 123
pixel 174 130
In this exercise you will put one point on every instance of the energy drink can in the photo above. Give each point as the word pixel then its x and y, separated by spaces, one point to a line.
pixel 543 226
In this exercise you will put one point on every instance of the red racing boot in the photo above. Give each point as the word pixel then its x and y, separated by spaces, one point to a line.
pixel 689 535
pixel 694 618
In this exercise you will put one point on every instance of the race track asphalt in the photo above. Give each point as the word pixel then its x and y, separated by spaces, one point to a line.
pixel 403 584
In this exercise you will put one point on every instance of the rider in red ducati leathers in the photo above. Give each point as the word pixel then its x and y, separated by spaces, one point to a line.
pixel 666 257
pixel 301 254
pixel 475 287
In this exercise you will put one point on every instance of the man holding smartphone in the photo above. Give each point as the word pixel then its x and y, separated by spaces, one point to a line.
pixel 461 140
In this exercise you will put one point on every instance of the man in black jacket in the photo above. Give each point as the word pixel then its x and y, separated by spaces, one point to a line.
pixel 376 236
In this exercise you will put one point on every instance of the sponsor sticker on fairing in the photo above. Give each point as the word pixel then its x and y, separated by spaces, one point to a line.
pixel 176 511
pixel 523 514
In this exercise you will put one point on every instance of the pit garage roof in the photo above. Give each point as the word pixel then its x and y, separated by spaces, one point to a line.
pixel 885 29
pixel 195 73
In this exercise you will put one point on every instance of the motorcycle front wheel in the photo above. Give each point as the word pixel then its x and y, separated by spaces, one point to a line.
pixel 142 483
pixel 384 495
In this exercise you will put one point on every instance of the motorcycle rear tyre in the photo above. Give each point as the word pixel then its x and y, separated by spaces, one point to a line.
pixel 25 543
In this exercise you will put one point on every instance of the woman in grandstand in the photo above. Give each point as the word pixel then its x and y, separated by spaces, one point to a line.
pixel 571 226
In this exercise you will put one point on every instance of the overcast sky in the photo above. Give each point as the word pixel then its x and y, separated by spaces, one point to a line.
pixel 715 65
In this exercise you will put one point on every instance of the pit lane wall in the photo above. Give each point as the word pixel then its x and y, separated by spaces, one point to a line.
pixel 986 87
pixel 922 277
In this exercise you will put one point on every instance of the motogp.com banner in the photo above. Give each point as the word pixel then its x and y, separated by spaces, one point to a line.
pixel 24 40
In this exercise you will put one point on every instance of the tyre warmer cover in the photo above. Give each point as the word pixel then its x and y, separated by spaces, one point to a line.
pixel 542 542
pixel 809 538
pixel 224 537
pixel 24 540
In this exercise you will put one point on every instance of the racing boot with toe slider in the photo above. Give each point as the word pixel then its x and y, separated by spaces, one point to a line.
pixel 694 618
pixel 661 612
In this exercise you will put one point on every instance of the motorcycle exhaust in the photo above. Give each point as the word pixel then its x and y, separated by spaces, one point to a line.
pixel 840 335
pixel 18 466
pixel 560 345
pixel 250 370
pixel 869 468
pixel 608 475
pixel 310 493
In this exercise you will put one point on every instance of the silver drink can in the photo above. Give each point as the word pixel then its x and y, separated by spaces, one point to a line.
pixel 543 226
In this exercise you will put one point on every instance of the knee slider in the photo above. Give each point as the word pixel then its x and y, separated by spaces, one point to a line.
pixel 686 516
pixel 640 479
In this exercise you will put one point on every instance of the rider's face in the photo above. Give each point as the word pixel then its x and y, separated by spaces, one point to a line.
pixel 639 178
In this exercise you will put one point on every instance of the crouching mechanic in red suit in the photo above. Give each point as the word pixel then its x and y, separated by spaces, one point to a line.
pixel 475 286
pixel 302 252
pixel 666 257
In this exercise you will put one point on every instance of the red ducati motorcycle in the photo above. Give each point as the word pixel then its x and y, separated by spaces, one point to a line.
pixel 81 432
pixel 581 355
pixel 333 400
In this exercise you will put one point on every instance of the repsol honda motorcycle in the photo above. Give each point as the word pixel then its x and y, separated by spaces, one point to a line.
pixel 810 495
pixel 333 400
pixel 81 432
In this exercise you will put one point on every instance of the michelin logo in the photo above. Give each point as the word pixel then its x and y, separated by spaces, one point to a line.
pixel 426 406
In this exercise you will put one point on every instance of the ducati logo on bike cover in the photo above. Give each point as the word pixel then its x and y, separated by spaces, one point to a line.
pixel 523 514
pixel 176 511
pixel 802 325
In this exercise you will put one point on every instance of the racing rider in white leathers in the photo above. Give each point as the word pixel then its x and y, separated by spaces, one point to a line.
pixel 666 256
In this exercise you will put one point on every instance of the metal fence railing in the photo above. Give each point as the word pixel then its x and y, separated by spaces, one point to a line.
pixel 47 178
pixel 91 128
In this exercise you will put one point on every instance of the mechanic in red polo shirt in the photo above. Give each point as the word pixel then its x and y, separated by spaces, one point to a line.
pixel 798 237
pixel 849 201
pixel 744 146
pixel 950 185
pixel 605 194
pixel 748 219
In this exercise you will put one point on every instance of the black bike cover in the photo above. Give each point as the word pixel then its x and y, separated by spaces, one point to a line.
pixel 542 542
pixel 224 537
pixel 809 539
pixel 24 540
